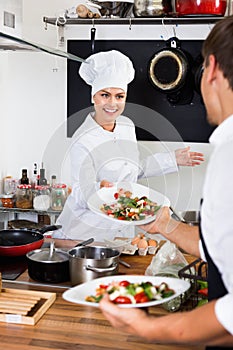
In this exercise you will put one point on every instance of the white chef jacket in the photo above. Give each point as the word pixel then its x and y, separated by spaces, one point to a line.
pixel 96 155
pixel 216 214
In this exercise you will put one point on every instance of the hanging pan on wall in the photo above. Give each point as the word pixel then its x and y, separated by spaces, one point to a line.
pixel 197 70
pixel 169 72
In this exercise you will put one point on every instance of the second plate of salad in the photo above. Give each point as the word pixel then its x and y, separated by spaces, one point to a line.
pixel 127 202
pixel 128 291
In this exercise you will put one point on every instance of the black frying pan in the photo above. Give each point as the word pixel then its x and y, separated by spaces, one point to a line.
pixel 168 68
pixel 17 242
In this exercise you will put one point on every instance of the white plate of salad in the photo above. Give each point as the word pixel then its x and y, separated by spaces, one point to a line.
pixel 128 291
pixel 130 203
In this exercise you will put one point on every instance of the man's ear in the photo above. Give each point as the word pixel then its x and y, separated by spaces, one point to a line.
pixel 212 69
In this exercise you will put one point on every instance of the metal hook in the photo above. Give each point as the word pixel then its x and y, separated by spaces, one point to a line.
pixel 165 27
pixel 93 23
pixel 174 31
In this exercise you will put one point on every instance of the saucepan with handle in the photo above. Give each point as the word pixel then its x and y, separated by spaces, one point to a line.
pixel 88 263
pixel 51 264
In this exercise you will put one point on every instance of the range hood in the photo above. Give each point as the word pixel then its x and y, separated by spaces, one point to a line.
pixel 12 45
pixel 9 42
pixel 11 32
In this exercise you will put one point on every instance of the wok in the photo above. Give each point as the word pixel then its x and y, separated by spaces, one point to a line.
pixel 17 242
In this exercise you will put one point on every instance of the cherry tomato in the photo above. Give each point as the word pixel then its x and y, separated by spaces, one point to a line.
pixel 116 195
pixel 124 283
pixel 103 286
pixel 122 300
pixel 141 298
pixel 121 218
pixel 203 291
pixel 109 211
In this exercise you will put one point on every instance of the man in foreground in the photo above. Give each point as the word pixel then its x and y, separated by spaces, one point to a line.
pixel 211 324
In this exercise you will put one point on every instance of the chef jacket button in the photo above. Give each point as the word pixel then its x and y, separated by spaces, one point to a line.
pixel 126 163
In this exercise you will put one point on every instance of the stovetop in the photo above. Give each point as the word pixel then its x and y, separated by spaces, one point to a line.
pixel 12 267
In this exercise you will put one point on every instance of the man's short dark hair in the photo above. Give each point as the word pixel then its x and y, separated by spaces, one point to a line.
pixel 220 44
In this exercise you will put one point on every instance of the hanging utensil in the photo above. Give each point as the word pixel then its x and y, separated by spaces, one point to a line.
pixel 168 68
pixel 93 31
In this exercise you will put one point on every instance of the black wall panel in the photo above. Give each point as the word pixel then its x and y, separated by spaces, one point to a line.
pixel 188 116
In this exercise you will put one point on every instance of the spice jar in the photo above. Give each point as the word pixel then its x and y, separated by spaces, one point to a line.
pixel 41 198
pixel 24 197
pixel 10 185
pixel 58 196
pixel 7 200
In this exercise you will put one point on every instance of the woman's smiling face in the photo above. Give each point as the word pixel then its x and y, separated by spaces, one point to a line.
pixel 109 103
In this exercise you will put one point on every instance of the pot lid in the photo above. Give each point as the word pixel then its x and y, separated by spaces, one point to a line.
pixel 48 255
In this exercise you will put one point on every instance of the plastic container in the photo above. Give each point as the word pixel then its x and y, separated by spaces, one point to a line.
pixel 24 197
pixel 58 196
pixel 41 198
pixel 201 7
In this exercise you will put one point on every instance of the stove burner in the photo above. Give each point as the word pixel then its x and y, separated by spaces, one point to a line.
pixel 12 267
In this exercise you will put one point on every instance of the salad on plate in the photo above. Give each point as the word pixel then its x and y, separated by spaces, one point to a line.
pixel 124 292
pixel 130 208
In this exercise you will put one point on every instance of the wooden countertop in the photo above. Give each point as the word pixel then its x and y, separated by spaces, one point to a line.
pixel 70 326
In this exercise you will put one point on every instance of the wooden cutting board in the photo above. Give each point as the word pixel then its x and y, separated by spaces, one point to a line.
pixel 24 306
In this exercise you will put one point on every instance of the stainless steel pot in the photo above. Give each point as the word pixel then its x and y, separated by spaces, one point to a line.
pixel 88 263
pixel 152 8
pixel 50 264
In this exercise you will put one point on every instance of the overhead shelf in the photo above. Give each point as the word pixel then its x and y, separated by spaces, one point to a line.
pixel 134 20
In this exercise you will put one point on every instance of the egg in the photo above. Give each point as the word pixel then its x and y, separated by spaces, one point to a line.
pixel 141 235
pixel 152 243
pixel 135 240
pixel 142 243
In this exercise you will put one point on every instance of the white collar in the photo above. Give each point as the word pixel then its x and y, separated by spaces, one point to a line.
pixel 223 133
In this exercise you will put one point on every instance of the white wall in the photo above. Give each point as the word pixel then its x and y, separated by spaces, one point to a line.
pixel 33 100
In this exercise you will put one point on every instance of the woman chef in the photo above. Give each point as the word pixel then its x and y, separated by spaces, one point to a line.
pixel 105 149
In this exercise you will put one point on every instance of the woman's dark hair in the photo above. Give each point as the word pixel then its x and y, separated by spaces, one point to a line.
pixel 220 44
